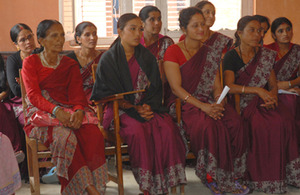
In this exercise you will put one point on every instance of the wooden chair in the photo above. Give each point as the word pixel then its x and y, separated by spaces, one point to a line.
pixel 113 136
pixel 35 151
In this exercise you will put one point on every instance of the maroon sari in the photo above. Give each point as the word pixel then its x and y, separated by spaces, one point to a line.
pixel 77 154
pixel 287 69
pixel 220 145
pixel 155 147
pixel 273 159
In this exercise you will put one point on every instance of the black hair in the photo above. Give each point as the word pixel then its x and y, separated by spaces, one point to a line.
pixel 144 12
pixel 242 23
pixel 80 28
pixel 278 21
pixel 122 23
pixel 16 29
pixel 186 14
pixel 262 19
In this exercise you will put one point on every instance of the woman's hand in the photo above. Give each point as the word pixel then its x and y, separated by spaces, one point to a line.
pixel 63 117
pixel 145 111
pixel 295 90
pixel 270 100
pixel 213 110
pixel 76 119
pixel 283 85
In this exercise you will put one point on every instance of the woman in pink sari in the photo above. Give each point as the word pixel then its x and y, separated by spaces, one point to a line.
pixel 215 130
pixel 152 39
pixel 273 159
pixel 155 146
pixel 58 115
pixel 287 65
pixel 86 36
pixel 219 42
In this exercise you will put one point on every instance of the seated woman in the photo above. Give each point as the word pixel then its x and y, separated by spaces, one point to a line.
pixel 22 37
pixel 54 88
pixel 273 156
pixel 8 124
pixel 155 146
pixel 265 25
pixel 151 39
pixel 215 130
pixel 86 36
pixel 219 42
pixel 287 65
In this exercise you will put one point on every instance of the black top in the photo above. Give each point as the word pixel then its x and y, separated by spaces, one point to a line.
pixel 232 61
pixel 2 75
pixel 73 56
pixel 13 64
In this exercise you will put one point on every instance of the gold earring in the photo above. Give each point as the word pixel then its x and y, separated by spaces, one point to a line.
pixel 18 48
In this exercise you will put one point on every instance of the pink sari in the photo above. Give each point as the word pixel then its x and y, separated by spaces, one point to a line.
pixel 273 159
pixel 220 145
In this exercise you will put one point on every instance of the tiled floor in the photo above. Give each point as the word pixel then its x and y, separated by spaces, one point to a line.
pixel 194 186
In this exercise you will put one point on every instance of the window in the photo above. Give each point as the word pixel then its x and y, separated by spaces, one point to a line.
pixel 105 13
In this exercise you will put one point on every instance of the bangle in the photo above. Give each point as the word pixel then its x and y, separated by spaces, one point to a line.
pixel 243 89
pixel 187 97
pixel 290 84
pixel 54 110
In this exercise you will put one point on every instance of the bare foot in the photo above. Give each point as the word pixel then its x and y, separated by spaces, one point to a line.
pixel 91 190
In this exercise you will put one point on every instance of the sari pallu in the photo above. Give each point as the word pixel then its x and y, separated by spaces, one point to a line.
pixel 155 147
pixel 220 145
pixel 273 159
pixel 77 154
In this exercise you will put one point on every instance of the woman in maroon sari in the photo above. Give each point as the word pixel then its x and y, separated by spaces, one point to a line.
pixel 86 36
pixel 155 146
pixel 151 39
pixel 287 65
pixel 219 42
pixel 273 159
pixel 215 130
pixel 67 125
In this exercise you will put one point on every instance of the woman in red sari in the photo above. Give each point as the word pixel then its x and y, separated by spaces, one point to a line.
pixel 219 42
pixel 287 65
pixel 155 146
pixel 152 39
pixel 273 159
pixel 215 130
pixel 86 36
pixel 68 126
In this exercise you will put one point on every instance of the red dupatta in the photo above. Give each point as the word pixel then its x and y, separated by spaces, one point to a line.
pixel 256 73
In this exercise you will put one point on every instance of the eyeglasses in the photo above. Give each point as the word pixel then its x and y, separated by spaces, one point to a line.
pixel 29 37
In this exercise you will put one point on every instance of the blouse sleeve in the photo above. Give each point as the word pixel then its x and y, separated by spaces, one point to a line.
pixel 232 61
pixel 174 54
pixel 12 71
pixel 2 75
pixel 30 75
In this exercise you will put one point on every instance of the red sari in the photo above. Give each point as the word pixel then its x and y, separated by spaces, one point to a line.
pixel 220 145
pixel 286 69
pixel 273 159
pixel 77 154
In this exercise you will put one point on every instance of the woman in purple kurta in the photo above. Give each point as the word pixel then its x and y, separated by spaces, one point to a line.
pixel 155 145
pixel 273 159
pixel 287 65
pixel 215 130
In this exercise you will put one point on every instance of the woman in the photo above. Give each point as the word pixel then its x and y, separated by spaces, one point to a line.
pixel 219 42
pixel 86 36
pixel 151 39
pixel 265 25
pixel 155 146
pixel 273 157
pixel 54 88
pixel 22 36
pixel 287 64
pixel 215 130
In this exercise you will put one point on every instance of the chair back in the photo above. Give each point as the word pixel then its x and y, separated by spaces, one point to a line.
pixel 23 92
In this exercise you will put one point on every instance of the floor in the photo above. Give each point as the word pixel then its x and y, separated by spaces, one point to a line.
pixel 194 186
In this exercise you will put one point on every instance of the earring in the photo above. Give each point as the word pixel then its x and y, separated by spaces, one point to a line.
pixel 18 48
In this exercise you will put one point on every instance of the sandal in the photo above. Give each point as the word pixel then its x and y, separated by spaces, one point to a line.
pixel 50 177
pixel 214 188
pixel 241 188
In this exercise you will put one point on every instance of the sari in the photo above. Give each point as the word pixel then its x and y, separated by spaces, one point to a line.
pixel 10 179
pixel 287 69
pixel 77 154
pixel 273 159
pixel 219 145
pixel 155 147
pixel 86 74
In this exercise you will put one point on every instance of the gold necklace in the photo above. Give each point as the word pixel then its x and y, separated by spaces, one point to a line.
pixel 186 49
